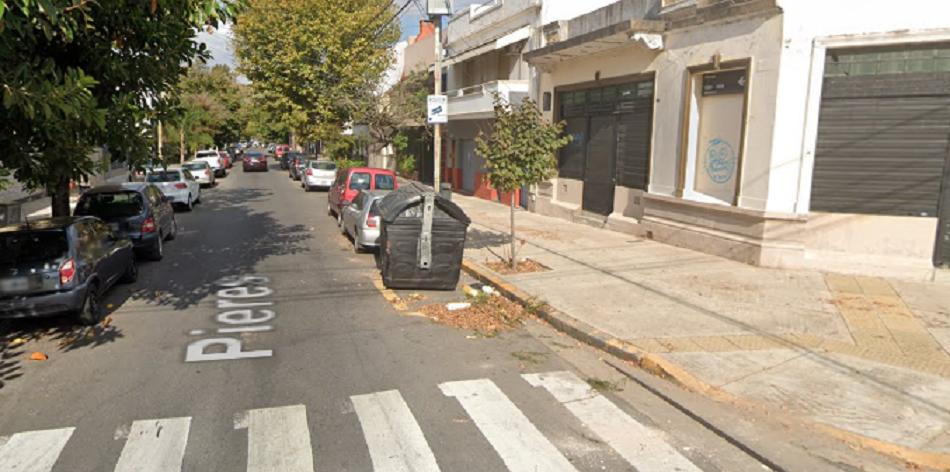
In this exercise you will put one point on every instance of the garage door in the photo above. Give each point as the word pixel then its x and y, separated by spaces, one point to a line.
pixel 884 132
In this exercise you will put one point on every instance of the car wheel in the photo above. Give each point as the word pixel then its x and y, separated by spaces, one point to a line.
pixel 158 251
pixel 198 200
pixel 329 210
pixel 339 223
pixel 90 312
pixel 174 233
pixel 131 272
pixel 189 205
pixel 357 247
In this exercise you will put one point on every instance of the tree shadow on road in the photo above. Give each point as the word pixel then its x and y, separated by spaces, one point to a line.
pixel 223 237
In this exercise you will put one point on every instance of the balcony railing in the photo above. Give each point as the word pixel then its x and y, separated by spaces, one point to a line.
pixel 478 101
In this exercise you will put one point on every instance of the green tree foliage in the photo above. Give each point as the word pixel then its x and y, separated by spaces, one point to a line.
pixel 80 73
pixel 520 150
pixel 211 108
pixel 387 115
pixel 309 59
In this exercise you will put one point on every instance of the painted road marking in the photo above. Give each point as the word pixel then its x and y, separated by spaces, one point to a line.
pixel 34 451
pixel 519 443
pixel 394 438
pixel 278 439
pixel 240 296
pixel 155 446
pixel 643 447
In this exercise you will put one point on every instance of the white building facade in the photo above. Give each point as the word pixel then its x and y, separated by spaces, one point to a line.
pixel 785 133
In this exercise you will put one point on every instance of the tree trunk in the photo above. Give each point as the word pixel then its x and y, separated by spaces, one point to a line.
pixel 59 194
pixel 181 147
pixel 514 256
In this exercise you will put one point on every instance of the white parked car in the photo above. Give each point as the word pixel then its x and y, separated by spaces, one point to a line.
pixel 317 174
pixel 213 159
pixel 201 171
pixel 177 184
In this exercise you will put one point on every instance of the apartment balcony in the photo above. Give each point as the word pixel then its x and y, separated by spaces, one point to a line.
pixel 478 101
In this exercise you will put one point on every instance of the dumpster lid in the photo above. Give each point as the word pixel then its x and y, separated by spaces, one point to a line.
pixel 411 194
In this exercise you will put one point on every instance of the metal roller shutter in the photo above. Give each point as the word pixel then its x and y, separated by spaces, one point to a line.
pixel 884 131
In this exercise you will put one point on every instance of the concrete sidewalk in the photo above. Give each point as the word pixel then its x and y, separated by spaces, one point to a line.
pixel 866 359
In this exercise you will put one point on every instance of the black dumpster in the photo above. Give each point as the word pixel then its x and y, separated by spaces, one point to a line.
pixel 404 239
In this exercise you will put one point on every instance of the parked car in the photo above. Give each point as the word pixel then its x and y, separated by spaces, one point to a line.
pixel 360 220
pixel 213 158
pixel 225 159
pixel 295 162
pixel 350 181
pixel 177 184
pixel 62 265
pixel 280 150
pixel 318 174
pixel 202 172
pixel 255 160
pixel 137 211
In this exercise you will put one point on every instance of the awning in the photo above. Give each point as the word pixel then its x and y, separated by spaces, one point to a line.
pixel 646 32
pixel 513 37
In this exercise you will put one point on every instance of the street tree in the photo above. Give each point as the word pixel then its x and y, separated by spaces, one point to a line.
pixel 389 114
pixel 79 74
pixel 311 58
pixel 519 151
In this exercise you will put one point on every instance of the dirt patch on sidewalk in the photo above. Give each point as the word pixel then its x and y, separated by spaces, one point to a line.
pixel 523 267
pixel 486 315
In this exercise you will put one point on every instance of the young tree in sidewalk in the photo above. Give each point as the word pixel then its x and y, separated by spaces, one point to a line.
pixel 79 74
pixel 520 151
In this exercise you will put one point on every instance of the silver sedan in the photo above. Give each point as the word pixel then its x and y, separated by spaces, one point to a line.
pixel 360 220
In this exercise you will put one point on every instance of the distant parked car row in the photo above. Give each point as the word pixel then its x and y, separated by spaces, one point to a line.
pixel 65 265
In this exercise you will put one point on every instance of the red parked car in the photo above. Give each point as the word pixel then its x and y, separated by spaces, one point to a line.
pixel 350 181
pixel 280 150
pixel 226 160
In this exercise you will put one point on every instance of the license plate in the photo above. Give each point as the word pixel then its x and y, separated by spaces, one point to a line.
pixel 14 284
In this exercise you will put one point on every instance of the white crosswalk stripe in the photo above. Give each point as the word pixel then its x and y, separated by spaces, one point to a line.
pixel 641 446
pixel 278 439
pixel 395 440
pixel 33 451
pixel 155 446
pixel 519 443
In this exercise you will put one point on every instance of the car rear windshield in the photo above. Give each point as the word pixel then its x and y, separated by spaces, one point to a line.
pixel 170 176
pixel 359 181
pixel 207 154
pixel 106 205
pixel 385 182
pixel 323 165
pixel 32 246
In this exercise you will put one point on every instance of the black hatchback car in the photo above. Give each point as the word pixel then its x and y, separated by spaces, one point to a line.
pixel 61 266
pixel 138 211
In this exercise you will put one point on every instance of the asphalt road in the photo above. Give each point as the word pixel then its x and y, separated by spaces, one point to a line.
pixel 260 343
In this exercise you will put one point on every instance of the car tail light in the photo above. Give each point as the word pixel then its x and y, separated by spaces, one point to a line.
pixel 309 172
pixel 181 185
pixel 370 219
pixel 207 172
pixel 148 226
pixel 67 271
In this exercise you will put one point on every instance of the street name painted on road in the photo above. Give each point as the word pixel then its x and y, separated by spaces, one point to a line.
pixel 242 299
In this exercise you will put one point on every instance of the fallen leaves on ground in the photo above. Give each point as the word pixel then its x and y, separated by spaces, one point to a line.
pixel 523 267
pixel 487 315
pixel 38 356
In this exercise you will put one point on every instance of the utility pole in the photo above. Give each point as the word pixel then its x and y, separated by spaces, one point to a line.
pixel 437 135
pixel 162 160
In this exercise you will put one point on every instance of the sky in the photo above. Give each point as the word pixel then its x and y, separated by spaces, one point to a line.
pixel 219 42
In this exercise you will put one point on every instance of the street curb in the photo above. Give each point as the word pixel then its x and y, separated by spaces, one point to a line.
pixel 661 367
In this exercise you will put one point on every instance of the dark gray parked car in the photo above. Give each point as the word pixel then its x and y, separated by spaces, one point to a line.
pixel 138 211
pixel 61 266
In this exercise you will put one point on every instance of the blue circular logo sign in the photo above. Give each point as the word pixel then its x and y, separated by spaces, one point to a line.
pixel 720 161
